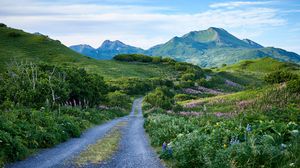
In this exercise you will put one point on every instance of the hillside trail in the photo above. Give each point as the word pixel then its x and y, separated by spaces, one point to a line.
pixel 134 149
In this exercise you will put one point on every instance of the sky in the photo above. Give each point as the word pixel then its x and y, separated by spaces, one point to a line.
pixel 145 23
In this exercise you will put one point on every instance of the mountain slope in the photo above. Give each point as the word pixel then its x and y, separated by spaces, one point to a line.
pixel 107 50
pixel 19 45
pixel 215 46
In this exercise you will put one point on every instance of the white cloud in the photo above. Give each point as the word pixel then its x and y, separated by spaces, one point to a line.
pixel 234 4
pixel 143 26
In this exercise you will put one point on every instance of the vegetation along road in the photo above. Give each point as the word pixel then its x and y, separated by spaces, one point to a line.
pixel 133 151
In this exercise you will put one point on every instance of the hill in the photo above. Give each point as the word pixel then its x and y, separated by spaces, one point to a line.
pixel 20 46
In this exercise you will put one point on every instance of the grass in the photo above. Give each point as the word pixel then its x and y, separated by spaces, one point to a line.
pixel 102 149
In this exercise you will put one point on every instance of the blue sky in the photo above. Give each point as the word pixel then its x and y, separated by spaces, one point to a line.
pixel 145 23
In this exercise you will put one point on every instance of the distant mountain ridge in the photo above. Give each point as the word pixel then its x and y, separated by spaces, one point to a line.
pixel 206 48
pixel 107 50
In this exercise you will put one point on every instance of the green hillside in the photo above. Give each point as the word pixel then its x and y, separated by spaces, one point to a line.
pixel 17 45
pixel 215 46
pixel 261 66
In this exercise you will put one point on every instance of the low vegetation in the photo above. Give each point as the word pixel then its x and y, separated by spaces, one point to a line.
pixel 255 127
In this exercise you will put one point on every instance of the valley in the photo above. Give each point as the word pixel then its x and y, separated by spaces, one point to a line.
pixel 240 110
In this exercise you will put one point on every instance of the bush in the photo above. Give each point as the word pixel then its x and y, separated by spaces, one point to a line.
pixel 14 34
pixel 2 25
pixel 161 97
pixel 188 76
pixel 294 86
pixel 133 57
pixel 280 76
pixel 118 99
pixel 182 97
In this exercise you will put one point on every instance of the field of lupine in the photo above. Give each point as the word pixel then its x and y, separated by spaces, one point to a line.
pixel 252 128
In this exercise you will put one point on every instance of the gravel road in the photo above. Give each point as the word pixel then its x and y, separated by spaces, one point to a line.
pixel 134 149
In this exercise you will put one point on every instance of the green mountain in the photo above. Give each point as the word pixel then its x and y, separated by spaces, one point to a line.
pixel 215 46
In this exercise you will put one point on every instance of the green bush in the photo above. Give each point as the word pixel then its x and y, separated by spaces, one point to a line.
pixel 133 57
pixel 119 99
pixel 2 25
pixel 182 97
pixel 280 76
pixel 14 34
pixel 294 86
pixel 161 97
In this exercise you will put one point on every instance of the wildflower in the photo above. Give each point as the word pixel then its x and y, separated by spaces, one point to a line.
pixel 248 128
pixel 292 164
pixel 283 146
pixel 234 141
pixel 164 146
pixel 225 145
pixel 169 149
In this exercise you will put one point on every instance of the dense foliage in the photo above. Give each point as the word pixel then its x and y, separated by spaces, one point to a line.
pixel 263 131
pixel 143 58
pixel 161 97
pixel 42 105
pixel 280 76
pixel 24 130
pixel 45 85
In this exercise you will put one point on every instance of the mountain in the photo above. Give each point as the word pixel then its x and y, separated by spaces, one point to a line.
pixel 206 48
pixel 215 46
pixel 107 50
pixel 84 49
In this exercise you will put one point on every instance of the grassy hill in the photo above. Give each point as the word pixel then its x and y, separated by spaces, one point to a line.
pixel 260 67
pixel 17 45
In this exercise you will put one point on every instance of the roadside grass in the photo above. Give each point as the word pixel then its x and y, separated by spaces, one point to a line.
pixel 103 149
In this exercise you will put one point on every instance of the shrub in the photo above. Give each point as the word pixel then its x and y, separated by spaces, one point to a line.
pixel 294 86
pixel 188 76
pixel 118 99
pixel 14 34
pixel 280 76
pixel 161 97
pixel 182 97
pixel 133 57
pixel 156 60
pixel 2 25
